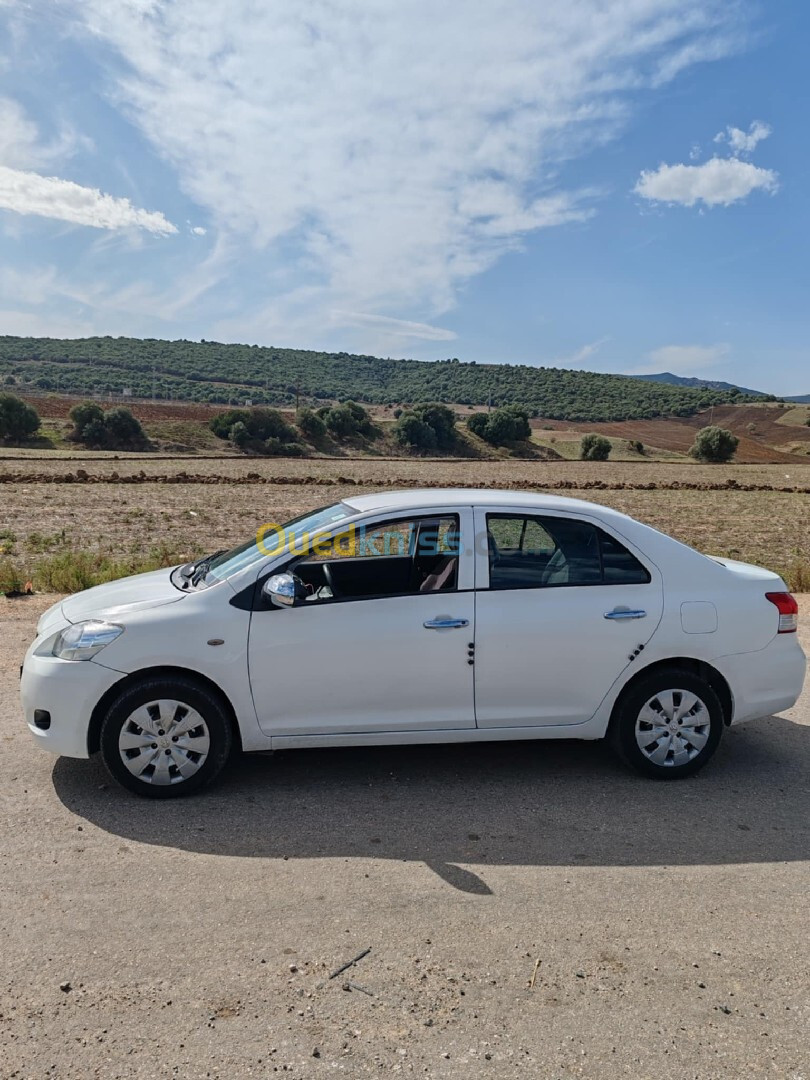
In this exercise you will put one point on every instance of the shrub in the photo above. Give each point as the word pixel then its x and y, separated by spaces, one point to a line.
pixel 116 429
pixel 505 425
pixel 270 424
pixel 411 431
pixel 477 423
pixel 239 435
pixel 637 445
pixel 310 425
pixel 442 421
pixel 18 421
pixel 82 415
pixel 508 424
pixel 714 444
pixel 594 448
pixel 348 420
pixel 123 430
pixel 223 422
pixel 398 413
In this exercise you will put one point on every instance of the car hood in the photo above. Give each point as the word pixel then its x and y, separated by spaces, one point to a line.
pixel 117 598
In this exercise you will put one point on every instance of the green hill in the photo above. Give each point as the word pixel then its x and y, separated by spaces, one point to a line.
pixel 206 371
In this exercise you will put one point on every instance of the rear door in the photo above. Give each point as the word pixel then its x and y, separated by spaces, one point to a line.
pixel 562 603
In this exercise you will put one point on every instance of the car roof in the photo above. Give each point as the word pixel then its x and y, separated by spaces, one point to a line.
pixel 427 498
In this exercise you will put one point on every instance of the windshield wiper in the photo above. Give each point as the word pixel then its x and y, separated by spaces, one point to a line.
pixel 200 568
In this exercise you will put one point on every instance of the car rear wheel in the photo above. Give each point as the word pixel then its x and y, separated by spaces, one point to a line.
pixel 165 737
pixel 668 725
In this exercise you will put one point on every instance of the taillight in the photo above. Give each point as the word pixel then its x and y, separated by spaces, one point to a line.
pixel 788 611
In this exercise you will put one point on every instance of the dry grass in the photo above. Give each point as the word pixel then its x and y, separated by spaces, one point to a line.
pixel 102 528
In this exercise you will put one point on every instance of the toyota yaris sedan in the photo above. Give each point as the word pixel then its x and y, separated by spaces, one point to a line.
pixel 416 617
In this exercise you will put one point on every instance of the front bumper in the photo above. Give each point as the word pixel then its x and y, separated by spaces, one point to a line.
pixel 67 689
pixel 765 682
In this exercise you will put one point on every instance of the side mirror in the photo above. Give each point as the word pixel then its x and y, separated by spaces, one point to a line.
pixel 283 590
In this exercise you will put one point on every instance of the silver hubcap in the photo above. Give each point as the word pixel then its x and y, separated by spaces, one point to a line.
pixel 164 742
pixel 673 727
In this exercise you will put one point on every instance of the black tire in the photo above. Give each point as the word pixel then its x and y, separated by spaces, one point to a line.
pixel 622 733
pixel 193 696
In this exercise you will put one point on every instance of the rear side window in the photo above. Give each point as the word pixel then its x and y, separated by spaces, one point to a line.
pixel 530 552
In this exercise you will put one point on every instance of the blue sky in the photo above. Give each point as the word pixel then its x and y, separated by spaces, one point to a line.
pixel 617 185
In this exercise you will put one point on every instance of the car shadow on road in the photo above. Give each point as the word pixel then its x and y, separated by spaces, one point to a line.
pixel 532 803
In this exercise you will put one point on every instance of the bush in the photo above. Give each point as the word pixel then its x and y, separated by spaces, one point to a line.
pixel 223 422
pixel 442 421
pixel 714 444
pixel 310 425
pixel 411 431
pixel 637 445
pixel 505 425
pixel 18 421
pixel 123 430
pixel 347 421
pixel 594 448
pixel 239 435
pixel 117 429
pixel 251 429
pixel 426 427
pixel 477 424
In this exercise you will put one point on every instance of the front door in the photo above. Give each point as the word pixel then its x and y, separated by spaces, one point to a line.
pixel 561 607
pixel 382 645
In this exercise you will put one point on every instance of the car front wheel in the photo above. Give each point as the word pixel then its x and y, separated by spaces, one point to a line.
pixel 165 737
pixel 668 725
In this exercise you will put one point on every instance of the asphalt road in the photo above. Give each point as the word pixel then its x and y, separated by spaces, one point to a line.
pixel 196 938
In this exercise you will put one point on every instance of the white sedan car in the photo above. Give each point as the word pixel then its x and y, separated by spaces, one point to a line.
pixel 416 617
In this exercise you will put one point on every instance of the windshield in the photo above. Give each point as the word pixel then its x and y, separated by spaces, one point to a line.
pixel 269 540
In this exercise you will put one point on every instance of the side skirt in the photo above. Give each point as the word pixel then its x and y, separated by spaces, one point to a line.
pixel 593 729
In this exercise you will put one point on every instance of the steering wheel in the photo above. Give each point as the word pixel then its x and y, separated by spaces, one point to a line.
pixel 330 581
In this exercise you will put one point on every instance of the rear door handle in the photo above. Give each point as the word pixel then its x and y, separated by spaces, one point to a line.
pixel 445 623
pixel 625 613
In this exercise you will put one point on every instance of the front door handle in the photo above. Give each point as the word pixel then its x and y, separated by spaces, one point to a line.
pixel 445 623
pixel 625 613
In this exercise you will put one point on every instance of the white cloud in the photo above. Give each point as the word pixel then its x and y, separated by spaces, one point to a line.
pixel 386 153
pixel 742 142
pixel 396 327
pixel 48 196
pixel 718 182
pixel 683 359
pixel 19 137
pixel 581 355
pixel 198 230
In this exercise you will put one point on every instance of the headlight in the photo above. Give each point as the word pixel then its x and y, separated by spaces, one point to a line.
pixel 83 640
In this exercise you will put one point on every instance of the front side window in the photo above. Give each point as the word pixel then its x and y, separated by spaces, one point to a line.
pixel 395 558
pixel 531 552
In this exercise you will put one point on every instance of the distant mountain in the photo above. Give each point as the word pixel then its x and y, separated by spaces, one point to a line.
pixel 715 384
pixel 709 384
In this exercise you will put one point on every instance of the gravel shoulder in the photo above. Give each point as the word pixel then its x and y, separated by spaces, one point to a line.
pixel 196 939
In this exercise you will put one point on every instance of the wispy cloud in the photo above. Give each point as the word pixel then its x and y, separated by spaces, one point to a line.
pixel 48 196
pixel 581 355
pixel 683 359
pixel 403 328
pixel 387 152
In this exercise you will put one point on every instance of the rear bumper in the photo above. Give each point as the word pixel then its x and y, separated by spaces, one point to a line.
pixel 68 690
pixel 765 682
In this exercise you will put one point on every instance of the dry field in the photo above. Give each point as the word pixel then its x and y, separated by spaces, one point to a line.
pixel 129 506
